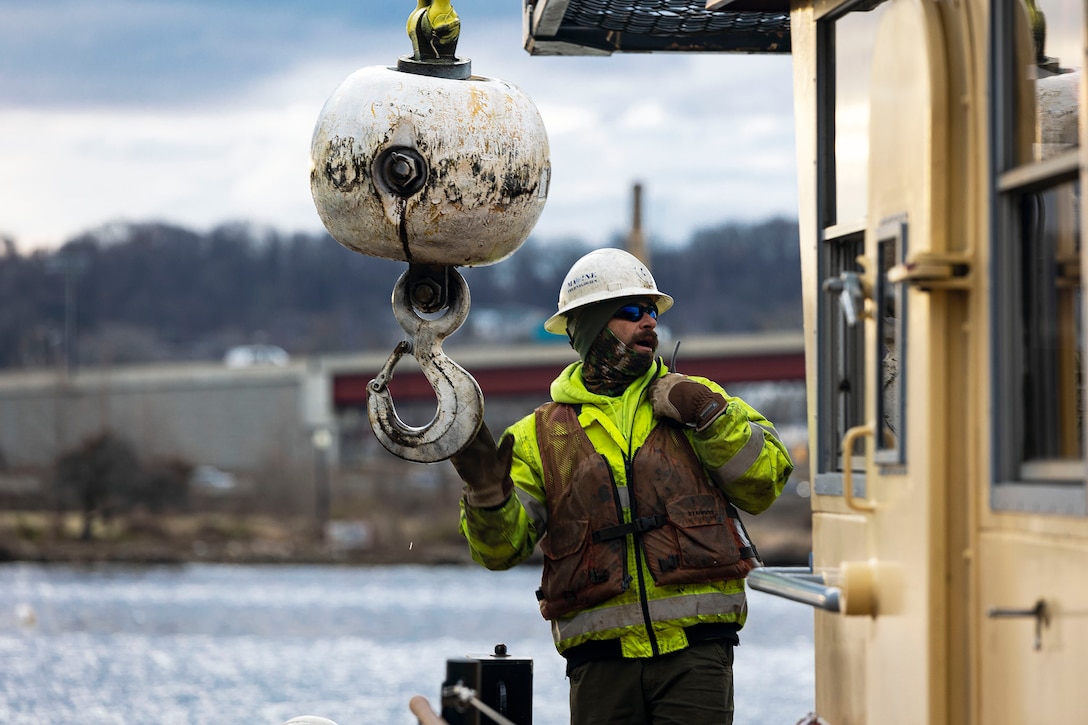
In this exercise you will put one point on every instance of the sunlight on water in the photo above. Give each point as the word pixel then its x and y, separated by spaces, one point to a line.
pixel 202 644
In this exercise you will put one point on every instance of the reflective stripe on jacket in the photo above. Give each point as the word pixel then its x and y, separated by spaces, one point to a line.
pixel 743 457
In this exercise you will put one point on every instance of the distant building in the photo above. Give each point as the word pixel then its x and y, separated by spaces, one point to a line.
pixel 244 356
pixel 267 425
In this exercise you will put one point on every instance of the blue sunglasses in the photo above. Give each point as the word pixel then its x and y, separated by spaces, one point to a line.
pixel 634 313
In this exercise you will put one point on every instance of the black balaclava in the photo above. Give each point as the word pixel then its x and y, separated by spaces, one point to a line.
pixel 608 365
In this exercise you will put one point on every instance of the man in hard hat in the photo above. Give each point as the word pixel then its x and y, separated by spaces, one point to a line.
pixel 628 480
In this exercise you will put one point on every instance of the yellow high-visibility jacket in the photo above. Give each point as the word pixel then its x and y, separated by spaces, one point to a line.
pixel 742 455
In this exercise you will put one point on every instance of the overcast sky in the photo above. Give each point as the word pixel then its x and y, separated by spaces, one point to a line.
pixel 200 112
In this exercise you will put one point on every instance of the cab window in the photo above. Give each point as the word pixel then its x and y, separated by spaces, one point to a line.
pixel 845 47
pixel 1037 303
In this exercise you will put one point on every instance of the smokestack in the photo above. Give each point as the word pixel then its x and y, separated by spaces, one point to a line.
pixel 636 240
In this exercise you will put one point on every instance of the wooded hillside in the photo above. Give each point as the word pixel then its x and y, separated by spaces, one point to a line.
pixel 153 292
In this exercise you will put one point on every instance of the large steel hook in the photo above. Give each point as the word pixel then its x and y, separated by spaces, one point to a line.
pixel 460 403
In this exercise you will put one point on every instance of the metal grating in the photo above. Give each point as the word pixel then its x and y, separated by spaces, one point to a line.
pixel 670 18
pixel 601 27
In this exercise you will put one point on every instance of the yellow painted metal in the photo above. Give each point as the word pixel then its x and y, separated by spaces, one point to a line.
pixel 945 625
pixel 852 435
pixel 1022 681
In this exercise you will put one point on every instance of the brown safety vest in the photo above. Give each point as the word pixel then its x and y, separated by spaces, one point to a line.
pixel 688 531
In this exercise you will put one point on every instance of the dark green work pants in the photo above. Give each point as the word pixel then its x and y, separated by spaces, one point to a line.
pixel 693 686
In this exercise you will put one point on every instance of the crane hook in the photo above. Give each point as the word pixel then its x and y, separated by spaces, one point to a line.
pixel 460 402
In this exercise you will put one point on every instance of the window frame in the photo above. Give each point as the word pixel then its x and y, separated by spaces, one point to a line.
pixel 892 233
pixel 841 347
pixel 1043 485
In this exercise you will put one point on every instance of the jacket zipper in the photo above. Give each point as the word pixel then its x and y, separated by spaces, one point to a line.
pixel 643 596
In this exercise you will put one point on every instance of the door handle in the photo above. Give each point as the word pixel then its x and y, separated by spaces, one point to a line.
pixel 864 504
pixel 1041 613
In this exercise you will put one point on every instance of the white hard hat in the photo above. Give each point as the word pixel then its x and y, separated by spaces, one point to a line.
pixel 604 274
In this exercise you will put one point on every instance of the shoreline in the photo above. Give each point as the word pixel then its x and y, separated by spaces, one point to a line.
pixel 792 552
pixel 783 538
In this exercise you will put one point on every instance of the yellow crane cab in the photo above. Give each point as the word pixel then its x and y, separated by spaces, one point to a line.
pixel 940 161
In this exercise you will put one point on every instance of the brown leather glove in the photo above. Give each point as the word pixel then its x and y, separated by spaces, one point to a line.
pixel 485 469
pixel 680 398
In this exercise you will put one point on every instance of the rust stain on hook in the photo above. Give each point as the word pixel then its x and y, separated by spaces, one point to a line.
pixel 400 209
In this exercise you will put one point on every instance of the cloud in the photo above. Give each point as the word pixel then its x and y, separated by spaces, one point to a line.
pixel 201 112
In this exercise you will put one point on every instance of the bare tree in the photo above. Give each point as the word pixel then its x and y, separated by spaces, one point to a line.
pixel 100 475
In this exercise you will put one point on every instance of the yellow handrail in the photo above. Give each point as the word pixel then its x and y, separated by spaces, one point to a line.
pixel 848 440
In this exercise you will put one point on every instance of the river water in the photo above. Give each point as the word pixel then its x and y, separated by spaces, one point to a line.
pixel 262 644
